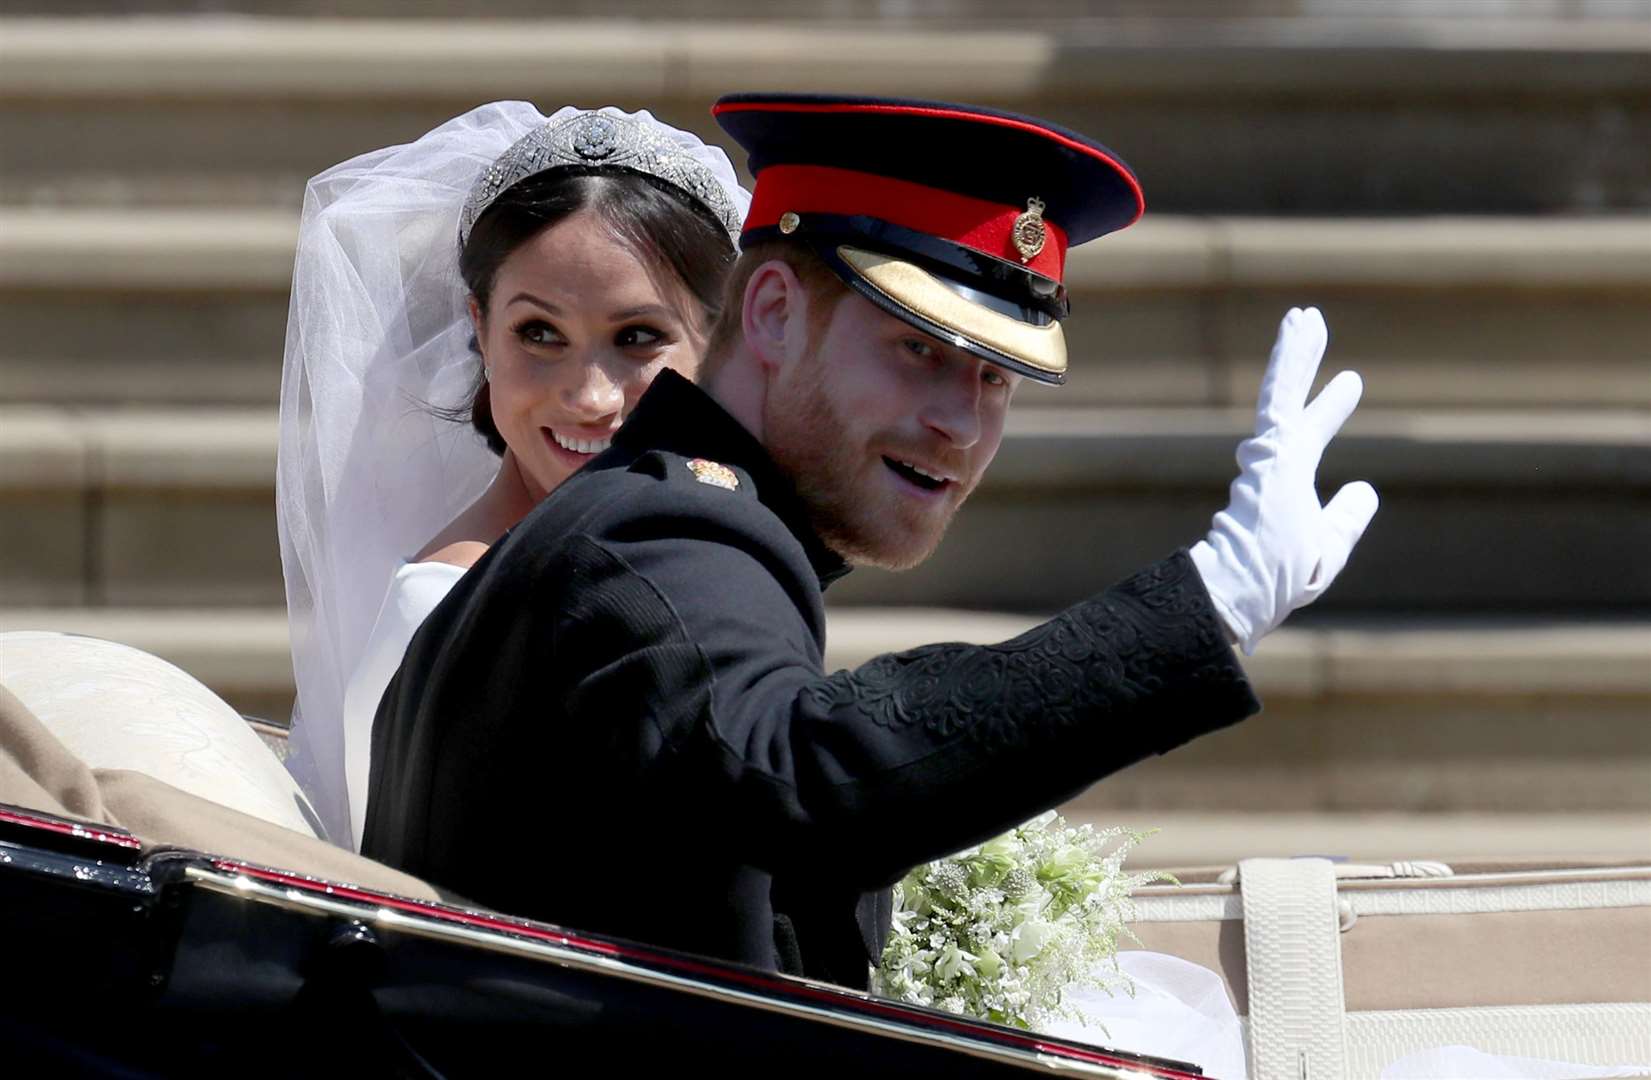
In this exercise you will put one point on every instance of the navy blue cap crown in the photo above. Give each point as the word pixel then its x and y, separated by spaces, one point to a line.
pixel 981 202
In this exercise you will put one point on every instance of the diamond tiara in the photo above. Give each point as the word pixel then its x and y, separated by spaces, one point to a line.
pixel 596 139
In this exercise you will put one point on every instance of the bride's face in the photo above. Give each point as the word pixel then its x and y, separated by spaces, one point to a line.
pixel 577 327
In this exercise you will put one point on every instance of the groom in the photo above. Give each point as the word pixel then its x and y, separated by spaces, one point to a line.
pixel 619 719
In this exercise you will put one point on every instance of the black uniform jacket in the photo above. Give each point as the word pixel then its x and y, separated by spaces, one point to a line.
pixel 619 720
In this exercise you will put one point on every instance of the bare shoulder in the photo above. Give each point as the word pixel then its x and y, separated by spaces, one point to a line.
pixel 467 537
pixel 461 553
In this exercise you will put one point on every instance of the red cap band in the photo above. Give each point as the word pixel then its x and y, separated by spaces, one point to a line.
pixel 985 227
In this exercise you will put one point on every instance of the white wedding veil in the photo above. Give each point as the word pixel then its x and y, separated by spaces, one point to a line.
pixel 378 334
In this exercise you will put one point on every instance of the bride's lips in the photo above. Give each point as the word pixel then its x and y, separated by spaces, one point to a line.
pixel 574 450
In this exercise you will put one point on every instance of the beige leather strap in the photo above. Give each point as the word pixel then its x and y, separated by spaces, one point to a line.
pixel 1292 951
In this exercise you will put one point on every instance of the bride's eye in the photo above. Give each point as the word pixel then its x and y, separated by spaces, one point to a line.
pixel 632 337
pixel 540 333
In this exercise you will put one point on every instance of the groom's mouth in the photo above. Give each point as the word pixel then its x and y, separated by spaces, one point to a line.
pixel 929 480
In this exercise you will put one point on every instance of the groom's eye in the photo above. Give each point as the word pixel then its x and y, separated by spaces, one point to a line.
pixel 539 332
pixel 632 337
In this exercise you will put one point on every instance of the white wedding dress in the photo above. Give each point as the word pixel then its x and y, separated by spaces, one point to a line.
pixel 1179 1010
pixel 415 590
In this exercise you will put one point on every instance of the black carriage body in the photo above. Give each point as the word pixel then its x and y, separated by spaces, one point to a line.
pixel 166 963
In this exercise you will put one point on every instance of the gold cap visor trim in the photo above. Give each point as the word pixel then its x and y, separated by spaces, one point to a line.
pixel 1039 347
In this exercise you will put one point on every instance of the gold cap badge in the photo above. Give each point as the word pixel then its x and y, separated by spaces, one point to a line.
pixel 714 473
pixel 789 222
pixel 1029 233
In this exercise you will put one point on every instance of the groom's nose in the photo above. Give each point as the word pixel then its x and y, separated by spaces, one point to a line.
pixel 951 405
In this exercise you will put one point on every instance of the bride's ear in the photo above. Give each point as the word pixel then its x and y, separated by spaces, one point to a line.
pixel 478 322
pixel 775 314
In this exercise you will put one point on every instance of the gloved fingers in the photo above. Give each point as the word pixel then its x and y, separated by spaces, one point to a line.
pixel 1302 337
pixel 1330 410
pixel 1341 524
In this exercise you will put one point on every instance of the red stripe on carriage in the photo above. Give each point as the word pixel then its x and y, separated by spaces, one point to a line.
pixel 84 831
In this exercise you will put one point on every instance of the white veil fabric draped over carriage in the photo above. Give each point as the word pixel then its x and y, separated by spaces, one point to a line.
pixel 377 335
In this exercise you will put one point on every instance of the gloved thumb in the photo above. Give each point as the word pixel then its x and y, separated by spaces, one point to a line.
pixel 1341 523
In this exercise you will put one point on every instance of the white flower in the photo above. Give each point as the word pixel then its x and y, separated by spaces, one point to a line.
pixel 1028 940
pixel 999 931
pixel 954 962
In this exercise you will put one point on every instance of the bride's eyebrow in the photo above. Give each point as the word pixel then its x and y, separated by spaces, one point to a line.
pixel 530 298
pixel 655 310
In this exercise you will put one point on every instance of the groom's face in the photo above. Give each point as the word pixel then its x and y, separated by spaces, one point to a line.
pixel 885 430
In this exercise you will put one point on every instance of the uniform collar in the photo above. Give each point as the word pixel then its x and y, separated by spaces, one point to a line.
pixel 676 416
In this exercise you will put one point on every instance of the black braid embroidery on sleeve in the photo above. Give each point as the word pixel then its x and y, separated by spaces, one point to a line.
pixel 1097 659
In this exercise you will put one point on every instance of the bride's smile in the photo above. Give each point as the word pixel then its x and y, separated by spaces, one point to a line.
pixel 583 447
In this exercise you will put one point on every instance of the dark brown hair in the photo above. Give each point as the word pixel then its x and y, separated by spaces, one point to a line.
pixel 655 218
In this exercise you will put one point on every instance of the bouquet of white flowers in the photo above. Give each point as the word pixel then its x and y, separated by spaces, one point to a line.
pixel 1001 930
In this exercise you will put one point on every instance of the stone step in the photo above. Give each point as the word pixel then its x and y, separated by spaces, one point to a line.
pixel 1502 17
pixel 1482 511
pixel 1363 718
pixel 1221 838
pixel 153 507
pixel 112 306
pixel 1416 714
pixel 1270 116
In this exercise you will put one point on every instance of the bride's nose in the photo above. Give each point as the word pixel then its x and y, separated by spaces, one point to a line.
pixel 593 394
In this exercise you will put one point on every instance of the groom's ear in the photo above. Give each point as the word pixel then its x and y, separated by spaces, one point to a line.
pixel 774 314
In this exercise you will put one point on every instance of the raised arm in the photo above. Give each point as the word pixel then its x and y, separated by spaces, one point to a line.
pixel 966 740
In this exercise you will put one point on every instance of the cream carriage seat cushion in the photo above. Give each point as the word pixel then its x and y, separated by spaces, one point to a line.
pixel 37 772
pixel 116 707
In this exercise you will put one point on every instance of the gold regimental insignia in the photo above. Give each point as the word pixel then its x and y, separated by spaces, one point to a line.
pixel 789 222
pixel 1029 232
pixel 714 473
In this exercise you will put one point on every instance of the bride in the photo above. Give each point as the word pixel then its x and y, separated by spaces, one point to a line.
pixel 529 275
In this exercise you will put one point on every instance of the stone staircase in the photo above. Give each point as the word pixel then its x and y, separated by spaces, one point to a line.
pixel 1469 200
pixel 1294 115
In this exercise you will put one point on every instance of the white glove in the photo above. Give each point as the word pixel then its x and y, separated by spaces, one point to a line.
pixel 1274 548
